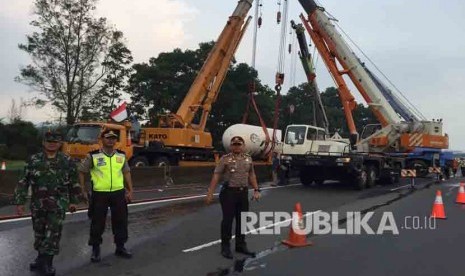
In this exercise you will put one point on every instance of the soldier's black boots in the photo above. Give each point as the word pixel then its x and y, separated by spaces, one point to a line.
pixel 122 252
pixel 226 251
pixel 36 264
pixel 244 250
pixel 47 267
pixel 95 257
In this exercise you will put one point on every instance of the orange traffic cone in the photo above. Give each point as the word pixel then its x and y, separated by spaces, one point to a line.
pixel 297 240
pixel 438 207
pixel 3 166
pixel 461 194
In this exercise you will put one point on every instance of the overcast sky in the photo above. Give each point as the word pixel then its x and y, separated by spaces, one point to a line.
pixel 419 45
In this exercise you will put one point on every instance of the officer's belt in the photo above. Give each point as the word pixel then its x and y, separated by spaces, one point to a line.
pixel 237 189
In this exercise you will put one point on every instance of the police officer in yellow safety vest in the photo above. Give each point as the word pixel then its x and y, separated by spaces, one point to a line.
pixel 111 187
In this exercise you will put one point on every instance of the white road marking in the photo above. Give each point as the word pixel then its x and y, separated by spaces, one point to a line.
pixel 451 188
pixel 253 231
pixel 401 187
pixel 148 203
pixel 452 185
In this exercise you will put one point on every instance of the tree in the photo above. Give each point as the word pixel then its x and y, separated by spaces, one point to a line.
pixel 232 100
pixel 160 86
pixel 2 132
pixel 70 54
pixel 109 94
pixel 16 112
pixel 301 98
pixel 21 139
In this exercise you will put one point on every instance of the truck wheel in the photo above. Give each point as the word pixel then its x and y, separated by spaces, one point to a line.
pixel 371 176
pixel 161 162
pixel 360 181
pixel 392 179
pixel 420 166
pixel 305 178
pixel 139 161
pixel 448 173
pixel 319 182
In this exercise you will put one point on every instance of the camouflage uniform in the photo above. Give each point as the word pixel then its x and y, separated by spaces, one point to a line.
pixel 54 186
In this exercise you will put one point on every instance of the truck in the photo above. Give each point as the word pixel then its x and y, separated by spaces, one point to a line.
pixel 362 159
pixel 177 138
pixel 421 159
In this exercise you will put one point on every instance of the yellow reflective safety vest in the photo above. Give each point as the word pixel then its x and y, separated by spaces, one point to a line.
pixel 107 171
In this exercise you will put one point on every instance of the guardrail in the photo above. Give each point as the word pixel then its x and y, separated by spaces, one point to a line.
pixel 145 177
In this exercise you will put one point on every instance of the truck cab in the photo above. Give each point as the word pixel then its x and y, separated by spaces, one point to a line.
pixel 85 137
pixel 310 140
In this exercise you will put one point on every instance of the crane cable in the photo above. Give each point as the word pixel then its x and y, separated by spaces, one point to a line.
pixel 279 73
pixel 252 85
pixel 412 106
pixel 282 44
pixel 255 30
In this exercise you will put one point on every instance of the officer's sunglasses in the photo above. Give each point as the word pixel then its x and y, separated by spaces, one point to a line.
pixel 111 138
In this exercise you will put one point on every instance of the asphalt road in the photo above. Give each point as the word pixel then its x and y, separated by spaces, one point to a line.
pixel 182 238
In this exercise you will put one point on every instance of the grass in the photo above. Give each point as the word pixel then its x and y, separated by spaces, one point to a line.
pixel 14 164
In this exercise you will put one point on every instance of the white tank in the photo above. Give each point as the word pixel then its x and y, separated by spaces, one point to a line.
pixel 254 138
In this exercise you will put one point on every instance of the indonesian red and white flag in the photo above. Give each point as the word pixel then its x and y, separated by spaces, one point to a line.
pixel 119 114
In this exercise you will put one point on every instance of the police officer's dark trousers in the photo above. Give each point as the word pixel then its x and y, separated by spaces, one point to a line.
pixel 233 202
pixel 119 216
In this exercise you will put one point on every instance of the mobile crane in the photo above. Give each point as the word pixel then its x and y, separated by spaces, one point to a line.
pixel 371 156
pixel 177 137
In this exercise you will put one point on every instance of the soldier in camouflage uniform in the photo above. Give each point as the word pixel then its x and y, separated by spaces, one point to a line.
pixel 53 179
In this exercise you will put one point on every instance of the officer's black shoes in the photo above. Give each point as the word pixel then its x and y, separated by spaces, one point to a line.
pixel 95 257
pixel 123 252
pixel 244 250
pixel 48 268
pixel 36 264
pixel 226 251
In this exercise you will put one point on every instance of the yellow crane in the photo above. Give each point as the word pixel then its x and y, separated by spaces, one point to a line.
pixel 177 136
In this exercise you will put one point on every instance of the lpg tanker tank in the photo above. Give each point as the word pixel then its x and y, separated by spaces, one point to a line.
pixel 254 138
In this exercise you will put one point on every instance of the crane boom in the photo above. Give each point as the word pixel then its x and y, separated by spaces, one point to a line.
pixel 393 100
pixel 178 129
pixel 354 69
pixel 206 85
pixel 320 118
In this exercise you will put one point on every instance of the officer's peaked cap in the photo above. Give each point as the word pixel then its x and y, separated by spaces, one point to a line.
pixel 237 140
pixel 109 133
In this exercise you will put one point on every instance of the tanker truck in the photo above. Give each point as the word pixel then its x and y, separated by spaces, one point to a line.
pixel 255 140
